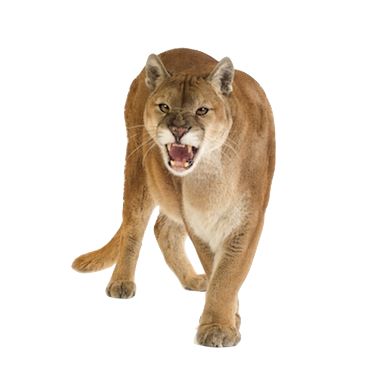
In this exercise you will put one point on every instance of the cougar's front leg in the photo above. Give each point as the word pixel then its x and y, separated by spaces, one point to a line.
pixel 171 237
pixel 137 209
pixel 219 323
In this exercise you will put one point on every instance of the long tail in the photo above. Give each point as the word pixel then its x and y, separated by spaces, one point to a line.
pixel 99 259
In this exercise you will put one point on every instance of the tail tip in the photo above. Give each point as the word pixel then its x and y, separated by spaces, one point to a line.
pixel 82 264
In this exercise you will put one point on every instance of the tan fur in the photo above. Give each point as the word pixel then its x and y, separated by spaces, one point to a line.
pixel 219 201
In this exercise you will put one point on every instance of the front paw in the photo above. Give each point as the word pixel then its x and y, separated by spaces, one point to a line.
pixel 217 335
pixel 121 289
pixel 197 282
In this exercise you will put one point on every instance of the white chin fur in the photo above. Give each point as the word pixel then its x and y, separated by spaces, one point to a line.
pixel 182 173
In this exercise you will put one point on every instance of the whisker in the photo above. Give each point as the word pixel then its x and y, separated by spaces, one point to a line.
pixel 135 135
pixel 225 146
pixel 135 126
pixel 231 143
pixel 146 143
pixel 147 152
pixel 231 148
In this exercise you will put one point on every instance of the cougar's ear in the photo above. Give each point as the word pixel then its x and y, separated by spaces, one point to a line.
pixel 155 72
pixel 222 76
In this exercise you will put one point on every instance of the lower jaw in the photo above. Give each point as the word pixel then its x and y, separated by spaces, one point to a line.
pixel 180 167
pixel 180 164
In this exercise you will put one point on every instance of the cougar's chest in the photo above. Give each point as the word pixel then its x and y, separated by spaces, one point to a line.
pixel 212 209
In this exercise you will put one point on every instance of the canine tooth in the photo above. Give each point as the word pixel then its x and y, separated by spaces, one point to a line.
pixel 189 149
pixel 169 146
pixel 187 164
pixel 172 163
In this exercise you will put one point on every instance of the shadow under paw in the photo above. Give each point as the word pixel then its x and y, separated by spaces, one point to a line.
pixel 121 289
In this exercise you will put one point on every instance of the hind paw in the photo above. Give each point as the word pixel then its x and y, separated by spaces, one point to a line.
pixel 198 283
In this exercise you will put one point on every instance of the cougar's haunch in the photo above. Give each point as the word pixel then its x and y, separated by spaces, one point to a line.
pixel 201 147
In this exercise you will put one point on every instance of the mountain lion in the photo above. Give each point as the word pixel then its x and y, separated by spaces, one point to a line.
pixel 201 147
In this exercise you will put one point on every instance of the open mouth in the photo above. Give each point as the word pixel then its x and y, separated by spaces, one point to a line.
pixel 181 157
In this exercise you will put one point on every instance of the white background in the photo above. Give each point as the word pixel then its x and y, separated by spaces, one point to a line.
pixel 308 303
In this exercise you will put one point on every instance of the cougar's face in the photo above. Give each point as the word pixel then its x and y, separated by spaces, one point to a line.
pixel 188 120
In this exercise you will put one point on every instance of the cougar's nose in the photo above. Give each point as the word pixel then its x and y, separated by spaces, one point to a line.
pixel 179 131
pixel 178 126
pixel 178 121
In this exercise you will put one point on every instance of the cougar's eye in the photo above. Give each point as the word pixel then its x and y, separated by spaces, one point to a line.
pixel 164 107
pixel 201 111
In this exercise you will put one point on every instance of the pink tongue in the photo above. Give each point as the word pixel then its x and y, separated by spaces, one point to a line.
pixel 179 153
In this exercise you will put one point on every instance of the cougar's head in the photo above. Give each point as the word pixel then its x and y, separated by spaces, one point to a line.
pixel 187 116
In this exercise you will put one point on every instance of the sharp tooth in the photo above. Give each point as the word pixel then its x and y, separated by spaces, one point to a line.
pixel 169 146
pixel 187 164
pixel 189 149
pixel 172 163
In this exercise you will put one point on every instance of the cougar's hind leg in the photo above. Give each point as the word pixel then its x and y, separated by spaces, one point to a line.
pixel 171 237
pixel 204 252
